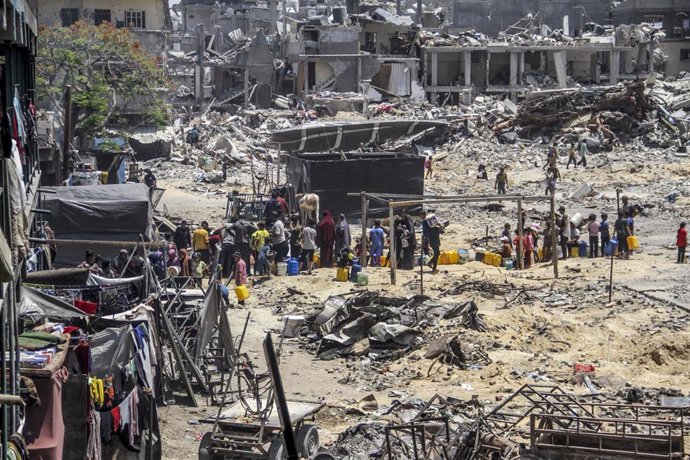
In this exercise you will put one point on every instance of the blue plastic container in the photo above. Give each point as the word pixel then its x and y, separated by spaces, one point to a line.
pixel 582 251
pixel 611 246
pixel 293 267
pixel 354 271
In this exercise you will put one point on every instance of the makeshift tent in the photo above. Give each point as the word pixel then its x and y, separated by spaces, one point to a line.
pixel 345 136
pixel 332 177
pixel 37 305
pixel 100 212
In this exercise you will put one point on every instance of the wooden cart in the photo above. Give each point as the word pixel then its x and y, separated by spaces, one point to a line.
pixel 237 435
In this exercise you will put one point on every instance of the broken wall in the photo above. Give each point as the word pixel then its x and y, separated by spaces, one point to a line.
pixel 678 52
pixel 155 12
pixel 339 40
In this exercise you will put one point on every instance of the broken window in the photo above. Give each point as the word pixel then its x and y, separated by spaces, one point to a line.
pixel 101 16
pixel 369 42
pixel 685 54
pixel 655 20
pixel 135 19
pixel 69 16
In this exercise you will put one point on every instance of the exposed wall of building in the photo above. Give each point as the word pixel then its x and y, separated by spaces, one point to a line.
pixel 145 14
pixel 678 52
pixel 493 16
pixel 669 15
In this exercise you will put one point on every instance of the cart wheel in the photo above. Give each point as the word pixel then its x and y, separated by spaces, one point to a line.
pixel 307 441
pixel 205 447
pixel 323 456
pixel 277 450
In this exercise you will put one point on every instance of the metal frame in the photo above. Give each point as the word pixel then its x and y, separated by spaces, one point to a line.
pixel 400 200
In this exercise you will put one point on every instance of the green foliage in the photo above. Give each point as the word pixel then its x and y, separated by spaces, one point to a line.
pixel 108 69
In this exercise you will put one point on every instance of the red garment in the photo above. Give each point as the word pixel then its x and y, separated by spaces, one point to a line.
pixel 240 273
pixel 44 429
pixel 283 205
pixel 325 237
pixel 682 238
pixel 87 307
pixel 116 419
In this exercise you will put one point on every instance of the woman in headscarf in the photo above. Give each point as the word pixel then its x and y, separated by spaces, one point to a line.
pixel 173 263
pixel 408 240
pixel 185 264
pixel 325 235
pixel 342 234
pixel 156 261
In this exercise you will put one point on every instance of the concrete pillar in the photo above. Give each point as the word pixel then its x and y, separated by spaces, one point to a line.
pixel 199 67
pixel 650 46
pixel 614 66
pixel 521 67
pixel 627 61
pixel 594 68
pixel 513 69
pixel 488 66
pixel 559 64
pixel 434 76
pixel 468 68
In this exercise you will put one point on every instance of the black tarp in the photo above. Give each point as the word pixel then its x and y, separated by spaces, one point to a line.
pixel 59 277
pixel 37 305
pixel 332 178
pixel 119 212
pixel 347 135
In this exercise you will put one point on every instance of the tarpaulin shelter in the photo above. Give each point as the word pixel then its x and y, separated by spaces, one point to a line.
pixel 93 216
pixel 332 177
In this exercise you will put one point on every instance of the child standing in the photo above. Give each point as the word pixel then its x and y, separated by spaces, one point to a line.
pixel 682 242
pixel 593 230
pixel 605 232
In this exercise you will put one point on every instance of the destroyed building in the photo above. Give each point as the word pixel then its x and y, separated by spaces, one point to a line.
pixel 493 16
pixel 671 17
pixel 149 20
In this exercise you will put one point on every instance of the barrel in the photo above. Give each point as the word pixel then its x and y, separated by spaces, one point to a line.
pixel 354 271
pixel 611 247
pixel 576 220
pixel 293 267
pixel 583 249
pixel 339 14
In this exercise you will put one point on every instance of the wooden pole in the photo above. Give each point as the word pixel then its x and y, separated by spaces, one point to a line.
pixel 554 242
pixel 67 138
pixel 391 235
pixel 363 241
pixel 519 246
pixel 613 252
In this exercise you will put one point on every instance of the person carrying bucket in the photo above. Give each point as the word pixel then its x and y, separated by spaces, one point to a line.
pixel 240 277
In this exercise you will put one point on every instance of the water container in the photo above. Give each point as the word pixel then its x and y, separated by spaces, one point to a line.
pixel 576 219
pixel 611 247
pixel 583 249
pixel 354 271
pixel 463 256
pixel 293 267
pixel 281 268
pixel 633 243
pixel 509 264
pixel 479 256
pixel 362 279
pixel 341 274
pixel 242 292
pixel 339 14
pixel 574 251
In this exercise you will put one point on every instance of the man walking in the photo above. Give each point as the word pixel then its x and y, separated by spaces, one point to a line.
pixel 501 181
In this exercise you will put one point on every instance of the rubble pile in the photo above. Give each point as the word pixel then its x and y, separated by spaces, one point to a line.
pixel 384 327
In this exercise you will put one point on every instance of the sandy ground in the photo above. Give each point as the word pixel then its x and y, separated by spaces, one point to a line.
pixel 635 339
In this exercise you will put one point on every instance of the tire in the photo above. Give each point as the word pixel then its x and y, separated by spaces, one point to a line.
pixel 307 441
pixel 205 447
pixel 277 449
pixel 323 456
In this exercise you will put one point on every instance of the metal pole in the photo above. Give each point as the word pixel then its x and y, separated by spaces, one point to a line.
pixel 281 402
pixel 554 243
pixel 363 242
pixel 519 245
pixel 618 207
pixel 67 136
pixel 421 273
pixel 391 235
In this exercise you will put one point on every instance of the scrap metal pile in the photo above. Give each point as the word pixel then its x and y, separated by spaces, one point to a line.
pixel 388 328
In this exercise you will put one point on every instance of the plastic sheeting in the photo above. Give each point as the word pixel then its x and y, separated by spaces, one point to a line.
pixel 118 212
pixel 332 178
pixel 37 305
